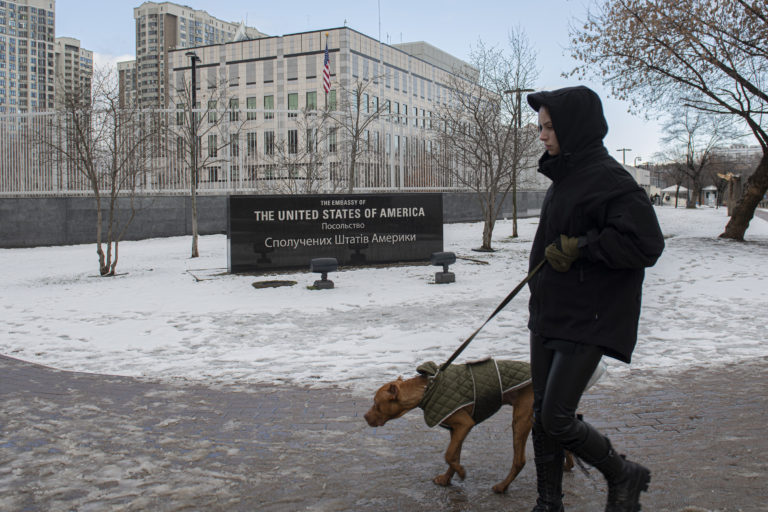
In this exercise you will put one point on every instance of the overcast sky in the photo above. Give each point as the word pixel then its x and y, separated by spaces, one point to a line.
pixel 108 29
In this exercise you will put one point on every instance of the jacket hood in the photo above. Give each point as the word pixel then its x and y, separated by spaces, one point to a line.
pixel 577 116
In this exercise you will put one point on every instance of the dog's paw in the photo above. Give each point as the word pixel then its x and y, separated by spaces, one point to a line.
pixel 442 480
pixel 500 488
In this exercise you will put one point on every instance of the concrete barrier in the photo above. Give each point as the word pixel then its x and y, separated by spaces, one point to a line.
pixel 33 221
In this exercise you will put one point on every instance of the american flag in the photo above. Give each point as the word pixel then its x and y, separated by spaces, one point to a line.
pixel 326 70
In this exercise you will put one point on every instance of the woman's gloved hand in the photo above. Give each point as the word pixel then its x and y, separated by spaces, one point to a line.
pixel 562 252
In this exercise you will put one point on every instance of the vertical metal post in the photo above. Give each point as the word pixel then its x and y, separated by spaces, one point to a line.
pixel 193 122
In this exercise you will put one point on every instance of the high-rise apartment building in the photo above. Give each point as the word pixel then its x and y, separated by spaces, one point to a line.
pixel 74 71
pixel 164 26
pixel 27 80
pixel 126 72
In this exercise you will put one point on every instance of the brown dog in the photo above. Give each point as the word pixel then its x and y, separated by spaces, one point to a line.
pixel 398 397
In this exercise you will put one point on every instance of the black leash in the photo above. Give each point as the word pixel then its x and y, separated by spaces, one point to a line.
pixel 499 308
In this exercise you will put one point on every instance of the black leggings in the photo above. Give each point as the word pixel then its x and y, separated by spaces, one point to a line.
pixel 560 371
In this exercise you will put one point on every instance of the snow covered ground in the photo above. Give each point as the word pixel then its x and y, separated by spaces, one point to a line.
pixel 168 316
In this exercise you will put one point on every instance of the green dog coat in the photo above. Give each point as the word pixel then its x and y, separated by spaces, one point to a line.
pixel 480 384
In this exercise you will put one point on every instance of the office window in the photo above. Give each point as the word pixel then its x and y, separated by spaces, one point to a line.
pixel 213 147
pixel 234 75
pixel 332 140
pixel 310 63
pixel 234 109
pixel 269 71
pixel 269 107
pixel 251 143
pixel 292 68
pixel 311 140
pixel 250 73
pixel 251 106
pixel 331 99
pixel 293 103
pixel 364 103
pixel 311 100
pixel 234 145
pixel 293 141
pixel 179 114
pixel 269 142
pixel 212 111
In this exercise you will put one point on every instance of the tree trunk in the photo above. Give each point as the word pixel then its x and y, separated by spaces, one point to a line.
pixel 352 161
pixel 193 194
pixel 103 267
pixel 695 195
pixel 488 234
pixel 744 210
pixel 514 204
pixel 489 223
pixel 195 252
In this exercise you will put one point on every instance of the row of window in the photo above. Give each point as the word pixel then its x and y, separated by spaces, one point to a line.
pixel 393 111
pixel 23 8
pixel 252 107
pixel 370 141
pixel 251 143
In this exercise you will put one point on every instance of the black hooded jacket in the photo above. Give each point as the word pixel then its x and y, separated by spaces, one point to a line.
pixel 597 301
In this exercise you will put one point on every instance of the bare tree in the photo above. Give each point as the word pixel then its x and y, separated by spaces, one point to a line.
pixel 202 132
pixel 354 114
pixel 297 161
pixel 707 54
pixel 692 136
pixel 109 148
pixel 483 136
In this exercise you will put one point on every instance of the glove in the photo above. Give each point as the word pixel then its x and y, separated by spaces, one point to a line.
pixel 562 253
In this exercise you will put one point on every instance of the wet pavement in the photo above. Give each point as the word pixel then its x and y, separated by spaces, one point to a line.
pixel 82 442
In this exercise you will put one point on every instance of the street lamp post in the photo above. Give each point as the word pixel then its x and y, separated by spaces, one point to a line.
pixel 193 128
pixel 624 154
pixel 193 148
pixel 519 123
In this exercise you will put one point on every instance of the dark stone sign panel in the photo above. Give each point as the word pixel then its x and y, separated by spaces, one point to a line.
pixel 282 232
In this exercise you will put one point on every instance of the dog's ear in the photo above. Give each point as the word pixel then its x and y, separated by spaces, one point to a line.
pixel 393 390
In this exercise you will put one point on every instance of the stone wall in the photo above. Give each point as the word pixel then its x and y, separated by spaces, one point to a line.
pixel 30 222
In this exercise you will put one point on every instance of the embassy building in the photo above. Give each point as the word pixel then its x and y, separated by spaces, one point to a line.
pixel 278 130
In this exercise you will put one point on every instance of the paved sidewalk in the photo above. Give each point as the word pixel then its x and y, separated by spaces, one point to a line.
pixel 82 442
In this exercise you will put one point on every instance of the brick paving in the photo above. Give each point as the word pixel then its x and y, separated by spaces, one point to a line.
pixel 81 442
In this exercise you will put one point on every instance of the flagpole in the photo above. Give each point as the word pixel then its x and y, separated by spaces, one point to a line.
pixel 324 88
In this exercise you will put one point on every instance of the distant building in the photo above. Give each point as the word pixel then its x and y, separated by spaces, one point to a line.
pixel 278 83
pixel 74 71
pixel 27 81
pixel 127 79
pixel 642 176
pixel 164 26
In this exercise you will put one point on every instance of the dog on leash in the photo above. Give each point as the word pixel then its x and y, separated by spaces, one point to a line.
pixel 458 398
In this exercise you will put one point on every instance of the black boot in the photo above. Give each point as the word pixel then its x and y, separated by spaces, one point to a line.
pixel 626 479
pixel 549 457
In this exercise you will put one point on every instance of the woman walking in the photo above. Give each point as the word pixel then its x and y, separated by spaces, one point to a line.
pixel 598 232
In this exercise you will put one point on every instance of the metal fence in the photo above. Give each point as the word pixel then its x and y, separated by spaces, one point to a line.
pixel 252 151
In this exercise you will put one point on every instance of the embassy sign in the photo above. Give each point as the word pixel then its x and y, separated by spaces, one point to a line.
pixel 282 232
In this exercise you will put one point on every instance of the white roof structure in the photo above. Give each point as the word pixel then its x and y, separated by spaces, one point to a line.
pixel 674 188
